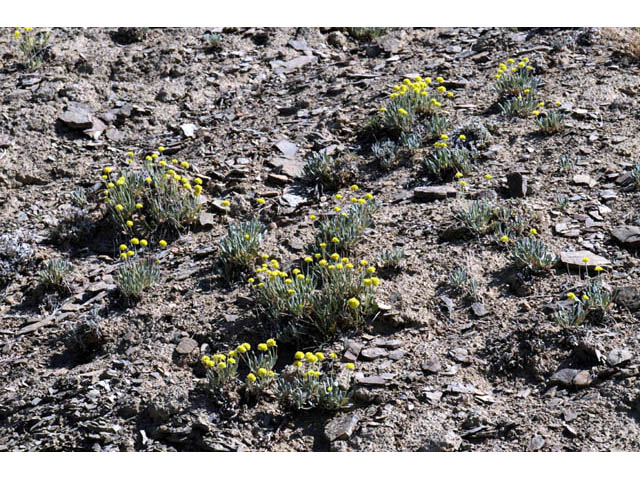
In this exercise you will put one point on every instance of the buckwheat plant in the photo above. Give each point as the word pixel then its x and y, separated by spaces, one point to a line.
pixel 54 273
pixel 138 270
pixel 550 121
pixel 240 247
pixel 445 160
pixel 515 79
pixel 33 46
pixel 532 253
pixel 476 216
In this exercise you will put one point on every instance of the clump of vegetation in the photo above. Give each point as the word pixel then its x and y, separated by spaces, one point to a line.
pixel 212 42
pixel 566 164
pixel 391 260
pixel 87 337
pixel 520 106
pixel 562 202
pixel 153 199
pixel 329 293
pixel 33 46
pixel 53 274
pixel 549 122
pixel 483 216
pixel 344 228
pixel 445 161
pixel 311 382
pixel 462 281
pixel 532 253
pixel 129 35
pixel 473 135
pixel 327 172
pixel 515 79
pixel 477 216
pixel 239 249
pixel 16 256
pixel 138 271
pixel 366 34
pixel 74 227
pixel 635 174
pixel 385 154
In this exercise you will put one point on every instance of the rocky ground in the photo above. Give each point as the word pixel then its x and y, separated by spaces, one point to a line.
pixel 437 371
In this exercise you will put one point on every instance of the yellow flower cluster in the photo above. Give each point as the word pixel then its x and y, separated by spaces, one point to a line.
pixel 504 70
pixel 417 94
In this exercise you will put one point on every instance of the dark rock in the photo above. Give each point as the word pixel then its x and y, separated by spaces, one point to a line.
pixel 563 377
pixel 628 235
pixel 517 184
pixel 341 428
pixel 437 192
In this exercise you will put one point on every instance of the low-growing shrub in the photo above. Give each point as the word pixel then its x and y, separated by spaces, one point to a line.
pixel 515 79
pixel 550 121
pixel 327 172
pixel 53 274
pixel 33 46
pixel 240 247
pixel 139 269
pixel 532 253
pixel 152 199
pixel 445 161
pixel 16 256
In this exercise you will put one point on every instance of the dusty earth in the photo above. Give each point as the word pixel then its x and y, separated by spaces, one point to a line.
pixel 449 375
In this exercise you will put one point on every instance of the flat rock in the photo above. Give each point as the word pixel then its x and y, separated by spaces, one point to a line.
pixel 461 355
pixel 288 166
pixel 353 351
pixel 33 327
pixel 78 116
pixel 372 381
pixel 574 259
pixel 295 63
pixel 582 379
pixel 618 357
pixel 431 365
pixel 186 346
pixel 373 353
pixel 535 443
pixel 188 129
pixel 207 218
pixel 582 179
pixel 387 343
pixel 396 354
pixel 341 428
pixel 608 194
pixel 435 192
pixel 479 309
pixel 563 377
pixel 389 43
pixel 288 149
pixel 628 235
pixel 517 184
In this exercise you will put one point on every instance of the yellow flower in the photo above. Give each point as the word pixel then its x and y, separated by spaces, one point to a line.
pixel 297 364
pixel 371 270
pixel 251 280
pixel 119 207
pixel 298 356
pixel 333 356
pixel 241 349
pixel 320 356
pixel 197 189
pixel 131 253
pixel 155 155
pixel 541 104
pixel 271 343
pixel 350 366
pixel 148 158
pixel 368 196
pixel 353 303
pixel 504 239
pixel 339 266
pixel 441 89
pixel 308 259
pixel 526 90
pixel 535 113
pixel 246 346
pixel 463 183
pixel 571 296
pixel 383 109
pixel 440 80
pixel 323 262
pixel 184 164
pixel 525 60
pixel 123 255
pixel 335 240
pixel 129 223
pixel 16 34
pixel 488 176
pixel 402 111
pixel 123 247
pixel 163 243
pixel 143 242
pixel 251 378
pixel 225 203
pixel 259 200
pixel 337 209
pixel 108 170
pixel 510 61
pixel 367 282
pixel 187 186
pixel 197 181
pixel 288 281
pixel 585 259
pixel 263 347
pixel 450 94
pixel 335 256
pixel 135 241
pixel 557 103
pixel 444 136
pixel 585 297
pixel 533 231
pixel 323 245
pixel 354 187
pixel 529 67
pixel 598 268
pixel 148 180
pixel 339 196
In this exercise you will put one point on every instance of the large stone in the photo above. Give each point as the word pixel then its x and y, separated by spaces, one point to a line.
pixel 629 298
pixel 288 149
pixel 437 192
pixel 618 357
pixel 628 235
pixel 290 167
pixel 582 179
pixel 186 346
pixel 373 353
pixel 575 259
pixel 341 428
pixel 563 377
pixel 77 116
